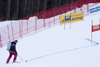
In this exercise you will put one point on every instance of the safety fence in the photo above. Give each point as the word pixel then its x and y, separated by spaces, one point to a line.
pixel 40 21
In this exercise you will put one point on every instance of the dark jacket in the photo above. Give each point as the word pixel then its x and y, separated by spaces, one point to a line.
pixel 13 47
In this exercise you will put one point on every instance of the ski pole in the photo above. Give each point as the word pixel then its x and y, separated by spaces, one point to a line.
pixel 20 57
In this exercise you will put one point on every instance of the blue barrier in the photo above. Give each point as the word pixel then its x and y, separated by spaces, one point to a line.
pixel 92 10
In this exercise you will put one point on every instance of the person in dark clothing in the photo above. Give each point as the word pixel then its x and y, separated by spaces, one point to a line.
pixel 12 51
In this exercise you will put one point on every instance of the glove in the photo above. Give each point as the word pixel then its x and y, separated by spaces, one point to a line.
pixel 16 52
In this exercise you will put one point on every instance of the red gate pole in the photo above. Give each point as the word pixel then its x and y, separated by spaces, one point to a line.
pixel 91 30
pixel 99 23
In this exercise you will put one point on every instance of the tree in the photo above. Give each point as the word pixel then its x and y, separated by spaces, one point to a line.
pixel 32 6
pixel 25 8
pixel 8 10
pixel 0 8
pixel 38 6
pixel 45 4
pixel 17 11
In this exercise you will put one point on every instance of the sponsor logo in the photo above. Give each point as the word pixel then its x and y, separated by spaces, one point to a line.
pixel 96 27
pixel 77 18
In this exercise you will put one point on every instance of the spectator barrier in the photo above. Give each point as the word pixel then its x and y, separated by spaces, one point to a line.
pixel 40 21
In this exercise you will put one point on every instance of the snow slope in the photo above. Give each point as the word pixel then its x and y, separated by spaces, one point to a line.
pixel 56 47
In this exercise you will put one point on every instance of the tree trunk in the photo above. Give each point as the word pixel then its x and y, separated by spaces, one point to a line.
pixel 1 8
pixel 59 3
pixel 29 6
pixel 32 6
pixel 17 9
pixel 8 10
pixel 25 8
pixel 71 4
pixel 22 7
pixel 55 3
pixel 38 6
pixel 59 6
pixel 66 6
pixel 45 4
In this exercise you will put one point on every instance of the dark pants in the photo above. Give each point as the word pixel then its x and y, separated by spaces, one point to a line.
pixel 10 55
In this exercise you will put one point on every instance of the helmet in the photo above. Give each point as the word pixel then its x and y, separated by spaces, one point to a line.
pixel 16 40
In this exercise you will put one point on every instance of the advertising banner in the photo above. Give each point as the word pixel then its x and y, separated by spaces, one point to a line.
pixel 77 17
pixel 65 19
pixel 92 10
pixel 74 17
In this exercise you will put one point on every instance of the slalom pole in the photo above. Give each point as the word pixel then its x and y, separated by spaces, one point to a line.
pixel 91 30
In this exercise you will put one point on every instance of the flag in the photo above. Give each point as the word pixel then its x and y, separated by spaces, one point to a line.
pixel 95 28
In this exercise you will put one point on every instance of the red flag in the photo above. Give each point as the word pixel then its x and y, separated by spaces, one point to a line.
pixel 95 28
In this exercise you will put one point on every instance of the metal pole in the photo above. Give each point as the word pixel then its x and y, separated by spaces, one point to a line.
pixel 65 13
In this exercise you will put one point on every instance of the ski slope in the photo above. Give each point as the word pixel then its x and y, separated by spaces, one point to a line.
pixel 56 47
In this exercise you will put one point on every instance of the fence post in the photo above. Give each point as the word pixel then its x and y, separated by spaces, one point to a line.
pixel 0 41
pixel 19 29
pixel 54 15
pixel 87 7
pixel 22 30
pixel 27 23
pixel 44 17
pixel 27 26
pixel 49 18
pixel 8 33
pixel 35 24
pixel 75 6
pixel 12 31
